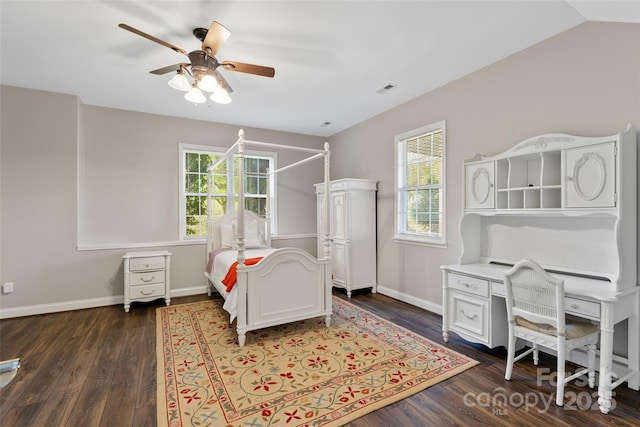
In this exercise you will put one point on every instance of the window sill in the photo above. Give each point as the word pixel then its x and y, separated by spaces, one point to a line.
pixel 417 241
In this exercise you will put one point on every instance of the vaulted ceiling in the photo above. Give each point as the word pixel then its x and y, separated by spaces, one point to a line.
pixel 332 58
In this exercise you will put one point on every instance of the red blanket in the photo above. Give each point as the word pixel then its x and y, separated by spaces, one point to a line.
pixel 232 275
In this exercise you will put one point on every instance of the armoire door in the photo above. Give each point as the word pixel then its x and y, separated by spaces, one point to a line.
pixel 339 236
pixel 339 216
pixel 339 263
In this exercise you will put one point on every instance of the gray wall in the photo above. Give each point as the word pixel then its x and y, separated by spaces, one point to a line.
pixel 585 81
pixel 76 175
pixel 131 172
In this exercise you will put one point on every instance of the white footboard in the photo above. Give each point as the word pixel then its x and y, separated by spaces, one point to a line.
pixel 286 286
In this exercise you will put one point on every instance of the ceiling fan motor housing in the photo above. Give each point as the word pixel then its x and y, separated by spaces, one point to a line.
pixel 201 63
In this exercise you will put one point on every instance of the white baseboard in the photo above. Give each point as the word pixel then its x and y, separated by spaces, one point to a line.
pixel 32 310
pixel 185 292
pixel 427 305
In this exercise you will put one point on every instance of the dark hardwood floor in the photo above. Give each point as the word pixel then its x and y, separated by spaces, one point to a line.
pixel 97 367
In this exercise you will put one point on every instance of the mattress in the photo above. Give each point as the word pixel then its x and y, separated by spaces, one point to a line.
pixel 221 264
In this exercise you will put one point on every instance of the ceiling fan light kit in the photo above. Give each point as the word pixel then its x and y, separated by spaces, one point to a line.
pixel 202 66
pixel 221 97
pixel 195 95
pixel 180 82
pixel 209 84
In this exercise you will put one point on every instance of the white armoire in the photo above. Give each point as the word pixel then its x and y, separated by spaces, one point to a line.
pixel 352 219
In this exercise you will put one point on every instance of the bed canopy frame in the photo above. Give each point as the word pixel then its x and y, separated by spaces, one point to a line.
pixel 257 307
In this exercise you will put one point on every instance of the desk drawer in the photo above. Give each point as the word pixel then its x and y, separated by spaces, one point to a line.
pixel 497 288
pixel 468 284
pixel 470 315
pixel 147 291
pixel 581 307
pixel 147 278
pixel 148 263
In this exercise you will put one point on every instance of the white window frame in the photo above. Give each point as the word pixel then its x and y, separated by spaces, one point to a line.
pixel 206 149
pixel 401 234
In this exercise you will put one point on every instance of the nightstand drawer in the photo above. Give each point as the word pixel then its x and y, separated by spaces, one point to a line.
pixel 147 291
pixel 147 278
pixel 468 284
pixel 149 263
pixel 581 307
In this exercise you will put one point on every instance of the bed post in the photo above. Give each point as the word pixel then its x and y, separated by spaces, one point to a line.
pixel 327 205
pixel 326 238
pixel 209 220
pixel 267 209
pixel 240 209
pixel 242 275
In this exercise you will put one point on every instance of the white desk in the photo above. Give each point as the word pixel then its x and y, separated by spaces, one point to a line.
pixel 474 308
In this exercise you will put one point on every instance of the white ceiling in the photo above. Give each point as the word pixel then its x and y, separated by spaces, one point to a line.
pixel 331 57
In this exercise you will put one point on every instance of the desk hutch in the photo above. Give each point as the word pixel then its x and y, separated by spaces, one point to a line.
pixel 569 203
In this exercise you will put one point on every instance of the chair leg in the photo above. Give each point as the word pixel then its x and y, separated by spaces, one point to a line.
pixel 511 355
pixel 560 379
pixel 591 364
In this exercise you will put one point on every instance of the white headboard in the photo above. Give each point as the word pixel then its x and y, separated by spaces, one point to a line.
pixel 214 237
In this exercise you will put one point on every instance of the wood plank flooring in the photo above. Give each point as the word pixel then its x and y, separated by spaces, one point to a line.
pixel 97 367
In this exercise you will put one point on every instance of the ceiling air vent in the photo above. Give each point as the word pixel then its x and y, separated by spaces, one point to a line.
pixel 386 88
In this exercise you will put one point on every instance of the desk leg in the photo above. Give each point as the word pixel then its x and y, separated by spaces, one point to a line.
pixel 634 345
pixel 606 357
pixel 445 307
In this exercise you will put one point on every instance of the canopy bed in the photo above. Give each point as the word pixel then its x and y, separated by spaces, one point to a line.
pixel 264 286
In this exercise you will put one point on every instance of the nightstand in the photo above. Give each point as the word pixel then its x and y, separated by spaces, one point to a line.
pixel 146 277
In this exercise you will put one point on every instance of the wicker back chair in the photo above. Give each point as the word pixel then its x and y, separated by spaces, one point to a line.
pixel 535 311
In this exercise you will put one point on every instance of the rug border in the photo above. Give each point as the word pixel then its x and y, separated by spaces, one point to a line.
pixel 161 386
pixel 161 397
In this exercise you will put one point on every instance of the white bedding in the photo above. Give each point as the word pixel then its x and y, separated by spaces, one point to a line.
pixel 221 264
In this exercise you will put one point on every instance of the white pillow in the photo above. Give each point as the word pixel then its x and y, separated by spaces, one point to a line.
pixel 227 236
pixel 252 237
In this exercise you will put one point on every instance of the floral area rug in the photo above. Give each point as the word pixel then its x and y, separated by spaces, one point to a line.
pixel 298 374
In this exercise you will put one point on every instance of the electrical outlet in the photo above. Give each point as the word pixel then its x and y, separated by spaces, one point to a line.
pixel 7 288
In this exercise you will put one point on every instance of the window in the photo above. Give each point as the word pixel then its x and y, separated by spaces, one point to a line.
pixel 195 161
pixel 420 201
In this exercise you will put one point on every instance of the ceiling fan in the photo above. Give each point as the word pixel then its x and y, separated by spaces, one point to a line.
pixel 202 65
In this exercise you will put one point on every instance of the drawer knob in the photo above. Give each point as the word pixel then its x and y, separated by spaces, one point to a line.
pixel 147 293
pixel 148 280
pixel 466 285
pixel 575 306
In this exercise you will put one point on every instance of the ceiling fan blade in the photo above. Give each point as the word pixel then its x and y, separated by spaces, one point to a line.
pixel 152 38
pixel 169 68
pixel 222 82
pixel 216 35
pixel 242 67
